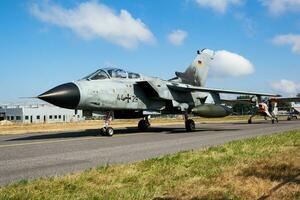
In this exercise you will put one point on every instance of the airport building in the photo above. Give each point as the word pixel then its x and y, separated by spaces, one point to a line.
pixel 38 113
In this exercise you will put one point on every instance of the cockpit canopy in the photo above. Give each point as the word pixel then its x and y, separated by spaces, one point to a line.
pixel 107 73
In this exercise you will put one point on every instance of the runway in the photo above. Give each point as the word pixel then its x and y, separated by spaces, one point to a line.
pixel 31 156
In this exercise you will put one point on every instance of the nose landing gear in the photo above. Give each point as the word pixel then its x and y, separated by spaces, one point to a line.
pixel 107 130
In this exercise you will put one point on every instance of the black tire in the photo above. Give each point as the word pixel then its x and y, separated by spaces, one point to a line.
pixel 109 131
pixel 273 121
pixel 143 125
pixel 249 121
pixel 190 125
pixel 103 131
pixel 289 119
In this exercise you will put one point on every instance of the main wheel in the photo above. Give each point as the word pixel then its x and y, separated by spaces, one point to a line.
pixel 273 121
pixel 190 125
pixel 109 131
pixel 249 121
pixel 143 125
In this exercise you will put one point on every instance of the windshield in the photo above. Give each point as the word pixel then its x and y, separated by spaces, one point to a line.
pixel 107 73
pixel 116 73
pixel 97 75
pixel 100 74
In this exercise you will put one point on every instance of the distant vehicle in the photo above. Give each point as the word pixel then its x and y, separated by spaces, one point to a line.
pixel 294 112
pixel 121 94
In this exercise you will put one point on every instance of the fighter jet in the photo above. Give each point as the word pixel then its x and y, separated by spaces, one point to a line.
pixel 122 94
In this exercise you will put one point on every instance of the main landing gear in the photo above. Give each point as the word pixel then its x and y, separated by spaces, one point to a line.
pixel 250 119
pixel 275 119
pixel 272 120
pixel 189 124
pixel 144 124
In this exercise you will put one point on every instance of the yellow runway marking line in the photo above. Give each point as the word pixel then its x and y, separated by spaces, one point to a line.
pixel 27 131
pixel 45 142
pixel 69 140
pixel 75 139
pixel 78 139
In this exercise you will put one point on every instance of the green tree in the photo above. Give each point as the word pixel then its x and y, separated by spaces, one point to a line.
pixel 284 105
pixel 243 108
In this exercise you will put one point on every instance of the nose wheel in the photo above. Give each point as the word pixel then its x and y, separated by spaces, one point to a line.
pixel 107 130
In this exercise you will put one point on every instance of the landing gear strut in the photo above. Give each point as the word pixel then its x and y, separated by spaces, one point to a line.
pixel 250 119
pixel 189 124
pixel 107 130
pixel 144 124
pixel 275 119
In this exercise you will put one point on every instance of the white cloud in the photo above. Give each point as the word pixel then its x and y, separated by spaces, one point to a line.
pixel 218 5
pixel 289 39
pixel 247 22
pixel 226 63
pixel 278 7
pixel 94 20
pixel 177 37
pixel 286 86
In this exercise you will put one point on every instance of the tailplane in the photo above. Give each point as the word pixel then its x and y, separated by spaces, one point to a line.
pixel 197 71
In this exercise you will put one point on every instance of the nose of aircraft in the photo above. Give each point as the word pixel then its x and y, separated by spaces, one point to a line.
pixel 65 96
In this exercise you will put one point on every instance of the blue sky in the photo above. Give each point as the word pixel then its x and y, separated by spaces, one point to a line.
pixel 46 43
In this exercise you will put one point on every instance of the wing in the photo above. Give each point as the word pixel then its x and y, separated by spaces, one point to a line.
pixel 185 87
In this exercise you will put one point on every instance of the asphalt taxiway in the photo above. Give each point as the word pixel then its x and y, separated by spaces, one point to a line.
pixel 29 156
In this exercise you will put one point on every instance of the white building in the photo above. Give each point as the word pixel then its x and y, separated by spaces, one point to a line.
pixel 38 113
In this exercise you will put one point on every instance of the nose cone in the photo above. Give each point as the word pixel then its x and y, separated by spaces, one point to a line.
pixel 65 96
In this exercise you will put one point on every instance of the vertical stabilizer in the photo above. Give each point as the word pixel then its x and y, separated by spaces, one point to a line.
pixel 197 71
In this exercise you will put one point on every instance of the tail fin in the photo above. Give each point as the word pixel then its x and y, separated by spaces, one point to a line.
pixel 196 73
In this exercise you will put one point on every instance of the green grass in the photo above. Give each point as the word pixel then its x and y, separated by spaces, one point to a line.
pixel 210 173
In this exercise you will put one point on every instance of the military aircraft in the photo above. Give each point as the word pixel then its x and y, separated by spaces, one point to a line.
pixel 266 108
pixel 121 94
